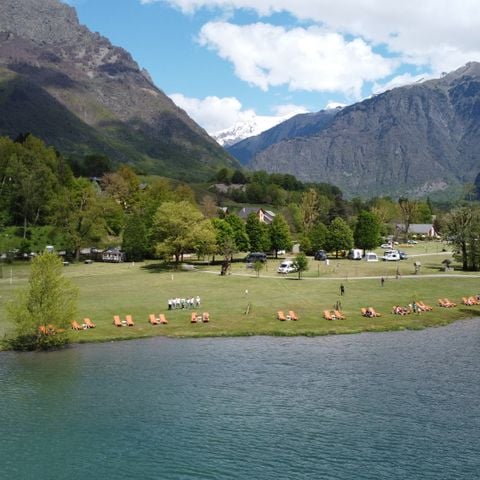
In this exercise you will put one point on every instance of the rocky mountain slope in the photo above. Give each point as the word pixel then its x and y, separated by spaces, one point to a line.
pixel 301 125
pixel 413 140
pixel 78 92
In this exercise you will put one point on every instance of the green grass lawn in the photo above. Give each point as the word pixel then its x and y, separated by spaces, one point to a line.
pixel 143 288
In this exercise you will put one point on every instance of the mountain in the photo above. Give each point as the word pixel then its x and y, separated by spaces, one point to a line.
pixel 81 94
pixel 250 126
pixel 301 125
pixel 413 140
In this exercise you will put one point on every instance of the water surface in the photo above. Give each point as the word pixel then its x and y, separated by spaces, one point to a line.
pixel 401 405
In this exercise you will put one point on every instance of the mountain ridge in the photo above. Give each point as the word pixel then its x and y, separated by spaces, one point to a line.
pixel 115 105
pixel 413 140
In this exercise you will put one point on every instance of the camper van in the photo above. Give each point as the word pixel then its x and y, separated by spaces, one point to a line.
pixel 355 254
pixel 371 257
pixel 287 266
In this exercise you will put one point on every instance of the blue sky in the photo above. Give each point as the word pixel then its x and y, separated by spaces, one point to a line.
pixel 222 60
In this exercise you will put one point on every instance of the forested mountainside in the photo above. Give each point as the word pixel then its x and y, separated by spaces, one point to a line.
pixel 78 92
pixel 412 140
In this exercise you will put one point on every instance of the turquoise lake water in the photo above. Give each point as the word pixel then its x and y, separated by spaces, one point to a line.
pixel 402 405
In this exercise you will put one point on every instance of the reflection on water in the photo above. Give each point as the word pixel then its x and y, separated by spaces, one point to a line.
pixel 396 405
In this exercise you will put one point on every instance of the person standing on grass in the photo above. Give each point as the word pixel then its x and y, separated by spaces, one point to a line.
pixel 382 281
pixel 342 289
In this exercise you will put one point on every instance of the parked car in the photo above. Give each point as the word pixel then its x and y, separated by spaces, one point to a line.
pixel 391 257
pixel 403 255
pixel 287 266
pixel 256 257
pixel 320 255
pixel 412 242
pixel 386 245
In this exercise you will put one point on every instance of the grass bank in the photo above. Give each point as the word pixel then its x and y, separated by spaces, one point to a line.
pixel 143 288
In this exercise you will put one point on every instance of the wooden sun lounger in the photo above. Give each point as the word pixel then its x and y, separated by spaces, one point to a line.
pixel 327 315
pixel 130 322
pixel 116 321
pixel 374 312
pixel 426 308
pixel 76 326
pixel 338 314
pixel 281 316
pixel 162 319
pixel 364 312
pixel 193 318
pixel 206 317
pixel 88 323
pixel 152 319
pixel 293 315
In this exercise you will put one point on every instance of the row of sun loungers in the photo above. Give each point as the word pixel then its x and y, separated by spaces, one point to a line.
pixel 203 318
pixel 291 316
pixel 333 315
pixel 470 301
pixel 87 323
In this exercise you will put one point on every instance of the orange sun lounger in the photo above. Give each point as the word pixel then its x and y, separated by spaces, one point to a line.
pixel 152 319
pixel 193 317
pixel 116 321
pixel 130 322
pixel 327 315
pixel 88 323
pixel 338 314
pixel 76 326
pixel 162 319
pixel 281 316
pixel 206 317
pixel 292 315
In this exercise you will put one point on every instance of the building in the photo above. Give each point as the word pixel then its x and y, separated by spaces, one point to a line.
pixel 423 230
pixel 265 216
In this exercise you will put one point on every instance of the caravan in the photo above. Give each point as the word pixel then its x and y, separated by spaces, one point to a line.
pixel 371 257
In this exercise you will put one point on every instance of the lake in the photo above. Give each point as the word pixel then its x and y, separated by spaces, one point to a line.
pixel 403 405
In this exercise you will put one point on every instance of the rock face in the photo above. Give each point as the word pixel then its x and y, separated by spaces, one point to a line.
pixel 80 93
pixel 412 140
pixel 301 125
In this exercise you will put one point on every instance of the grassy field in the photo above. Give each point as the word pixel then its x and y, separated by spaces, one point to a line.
pixel 143 288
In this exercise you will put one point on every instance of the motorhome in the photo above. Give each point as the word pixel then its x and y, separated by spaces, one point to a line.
pixel 355 254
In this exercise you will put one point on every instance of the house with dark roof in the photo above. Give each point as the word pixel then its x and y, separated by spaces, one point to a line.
pixel 265 216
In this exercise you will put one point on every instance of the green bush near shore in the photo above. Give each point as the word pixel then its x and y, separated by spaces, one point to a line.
pixel 143 288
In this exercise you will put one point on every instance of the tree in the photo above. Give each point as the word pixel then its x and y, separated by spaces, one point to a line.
pixel 81 214
pixel 280 238
pixel 257 234
pixel 239 232
pixel 318 237
pixel 309 209
pixel 367 231
pixel 135 238
pixel 225 242
pixel 339 236
pixel 43 310
pixel 123 186
pixel 301 264
pixel 408 210
pixel 176 227
pixel 463 226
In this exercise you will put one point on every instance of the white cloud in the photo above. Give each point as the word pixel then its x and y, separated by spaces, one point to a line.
pixel 311 59
pixel 212 113
pixel 441 33
pixel 216 114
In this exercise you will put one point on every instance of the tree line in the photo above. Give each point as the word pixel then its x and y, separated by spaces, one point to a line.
pixel 46 199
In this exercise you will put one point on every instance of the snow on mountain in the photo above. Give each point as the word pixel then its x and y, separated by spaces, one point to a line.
pixel 249 126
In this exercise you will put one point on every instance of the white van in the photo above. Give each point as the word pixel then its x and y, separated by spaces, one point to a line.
pixel 371 257
pixel 287 266
pixel 355 254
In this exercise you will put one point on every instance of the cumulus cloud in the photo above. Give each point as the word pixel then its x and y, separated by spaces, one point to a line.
pixel 215 114
pixel 311 59
pixel 420 32
pixel 212 113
